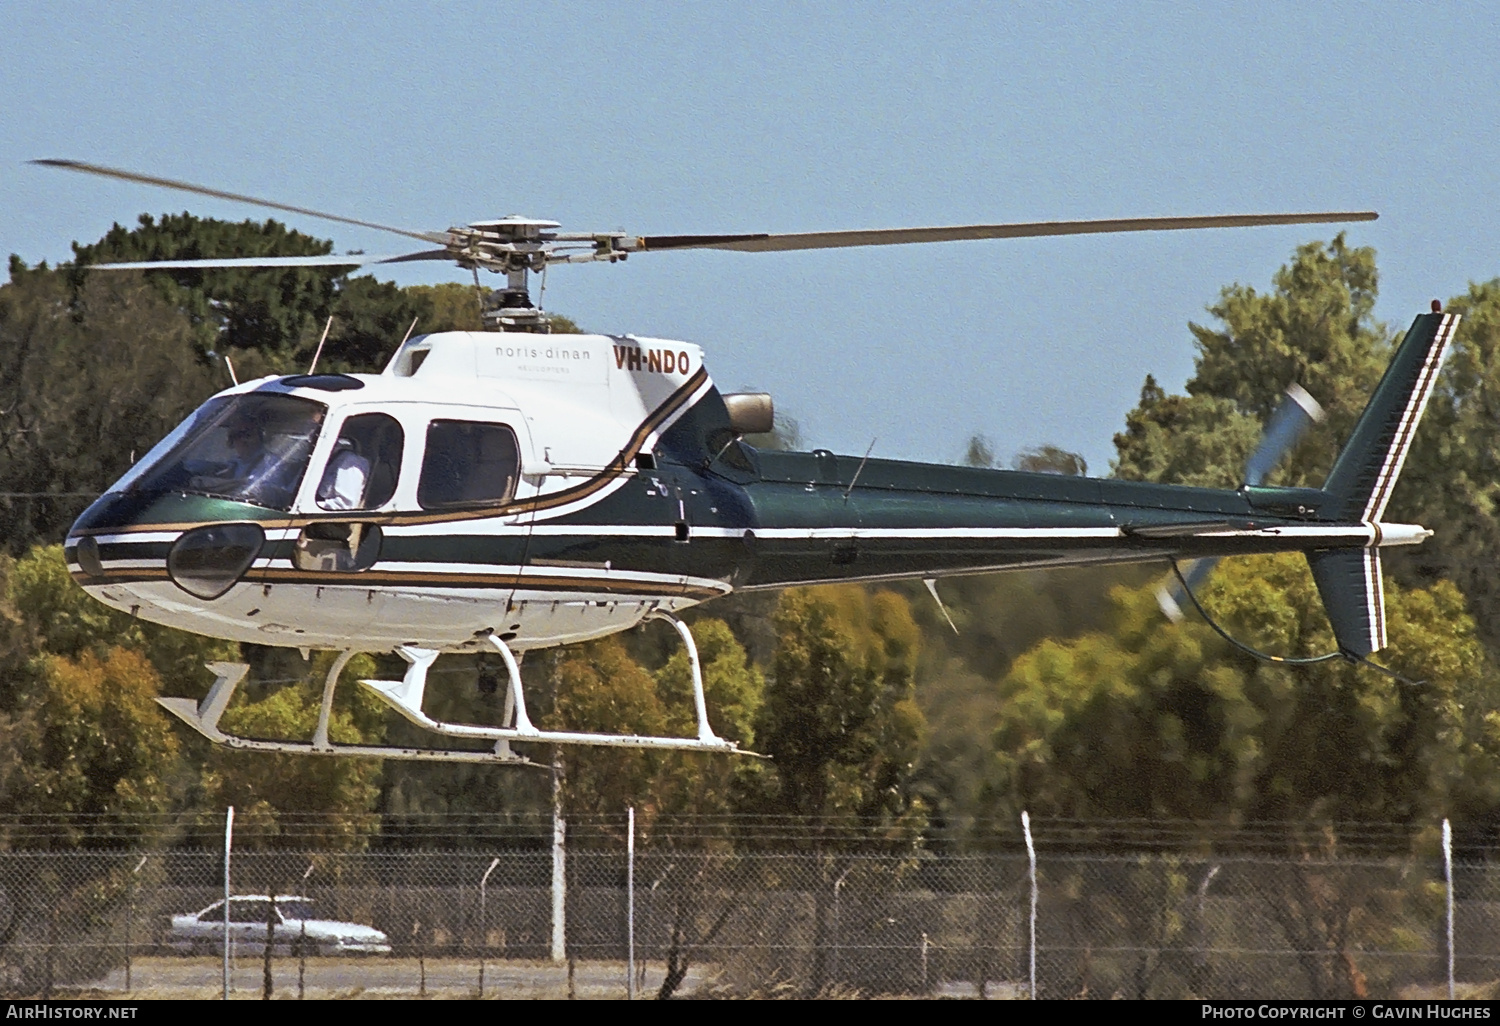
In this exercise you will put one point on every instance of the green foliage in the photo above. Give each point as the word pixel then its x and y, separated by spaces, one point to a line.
pixel 599 687
pixel 449 306
pixel 277 312
pixel 1153 721
pixel 332 796
pixel 1190 440
pixel 90 739
pixel 249 308
pixel 1314 328
pixel 840 718
pixel 734 692
pixel 88 381
pixel 66 621
pixel 78 682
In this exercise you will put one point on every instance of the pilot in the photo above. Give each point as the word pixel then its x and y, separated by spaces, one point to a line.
pixel 248 442
pixel 343 484
pixel 258 473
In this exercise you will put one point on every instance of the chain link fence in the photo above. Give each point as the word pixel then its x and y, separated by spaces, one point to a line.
pixel 1153 925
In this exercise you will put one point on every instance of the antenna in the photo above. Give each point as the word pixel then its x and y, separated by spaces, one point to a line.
pixel 319 353
pixel 860 469
pixel 232 375
pixel 931 583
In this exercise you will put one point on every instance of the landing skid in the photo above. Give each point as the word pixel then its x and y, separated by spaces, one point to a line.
pixel 405 696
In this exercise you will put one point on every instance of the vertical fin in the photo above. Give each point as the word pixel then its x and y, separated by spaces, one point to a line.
pixel 1366 470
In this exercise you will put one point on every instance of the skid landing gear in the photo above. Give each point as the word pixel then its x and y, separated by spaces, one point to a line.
pixel 204 718
pixel 405 696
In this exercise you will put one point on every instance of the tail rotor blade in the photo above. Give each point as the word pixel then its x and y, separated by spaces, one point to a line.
pixel 1171 597
pixel 1298 412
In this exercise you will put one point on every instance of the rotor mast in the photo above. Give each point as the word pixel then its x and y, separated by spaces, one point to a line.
pixel 516 246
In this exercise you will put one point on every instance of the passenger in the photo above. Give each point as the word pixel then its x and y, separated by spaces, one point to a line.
pixel 344 480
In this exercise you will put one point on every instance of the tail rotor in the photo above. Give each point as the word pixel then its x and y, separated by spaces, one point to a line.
pixel 1289 424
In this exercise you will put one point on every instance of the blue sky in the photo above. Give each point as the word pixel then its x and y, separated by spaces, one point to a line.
pixel 681 118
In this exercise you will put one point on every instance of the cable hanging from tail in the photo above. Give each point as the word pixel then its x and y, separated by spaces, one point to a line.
pixel 1267 657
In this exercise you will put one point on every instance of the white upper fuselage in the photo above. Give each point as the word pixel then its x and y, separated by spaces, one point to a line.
pixel 582 408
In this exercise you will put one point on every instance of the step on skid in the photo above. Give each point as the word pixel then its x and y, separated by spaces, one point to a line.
pixel 405 696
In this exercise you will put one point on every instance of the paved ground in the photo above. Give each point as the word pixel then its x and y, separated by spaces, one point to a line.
pixel 382 977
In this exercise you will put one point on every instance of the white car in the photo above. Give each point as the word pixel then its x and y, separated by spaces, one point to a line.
pixel 296 923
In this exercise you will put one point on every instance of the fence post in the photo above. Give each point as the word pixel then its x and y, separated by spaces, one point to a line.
pixel 267 983
pixel 484 921
pixel 135 876
pixel 559 866
pixel 630 905
pixel 302 937
pixel 926 987
pixel 1448 876
pixel 228 847
pixel 838 887
pixel 1031 859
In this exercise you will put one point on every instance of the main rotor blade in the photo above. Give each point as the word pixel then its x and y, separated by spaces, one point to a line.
pixel 331 260
pixel 168 183
pixel 765 243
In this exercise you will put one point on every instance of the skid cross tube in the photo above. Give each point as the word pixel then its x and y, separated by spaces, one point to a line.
pixel 405 696
pixel 204 718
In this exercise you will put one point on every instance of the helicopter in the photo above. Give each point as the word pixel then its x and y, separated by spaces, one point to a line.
pixel 515 489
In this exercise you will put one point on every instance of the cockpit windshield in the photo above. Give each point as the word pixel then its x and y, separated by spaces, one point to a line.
pixel 252 448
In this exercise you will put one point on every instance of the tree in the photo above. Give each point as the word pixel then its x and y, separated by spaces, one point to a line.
pixel 1050 459
pixel 78 684
pixel 60 618
pixel 1151 720
pixel 840 718
pixel 291 796
pixel 1147 721
pixel 600 687
pixel 1188 440
pixel 278 313
pixel 1315 328
pixel 97 743
pixel 449 306
pixel 980 452
pixel 88 381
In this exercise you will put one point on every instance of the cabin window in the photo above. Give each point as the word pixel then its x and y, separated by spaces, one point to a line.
pixel 337 547
pixel 361 472
pixel 468 464
pixel 250 448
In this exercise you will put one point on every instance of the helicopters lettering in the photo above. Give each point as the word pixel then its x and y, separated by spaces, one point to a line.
pixel 510 490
